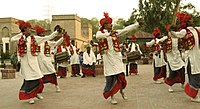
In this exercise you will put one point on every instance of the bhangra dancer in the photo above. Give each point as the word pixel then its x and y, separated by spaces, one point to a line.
pixel 112 58
pixel 159 62
pixel 190 40
pixel 28 51
pixel 176 64
pixel 45 60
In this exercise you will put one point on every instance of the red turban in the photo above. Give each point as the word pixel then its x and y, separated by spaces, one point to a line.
pixel 156 32
pixel 23 24
pixel 39 30
pixel 107 19
pixel 183 18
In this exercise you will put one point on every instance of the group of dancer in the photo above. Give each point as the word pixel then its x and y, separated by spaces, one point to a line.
pixel 167 51
pixel 37 68
pixel 181 39
pixel 34 56
pixel 35 52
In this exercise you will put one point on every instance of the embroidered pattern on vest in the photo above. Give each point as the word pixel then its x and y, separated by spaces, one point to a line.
pixel 47 49
pixel 22 47
pixel 103 45
pixel 187 42
pixel 198 34
pixel 35 48
pixel 115 41
pixel 167 45
pixel 154 47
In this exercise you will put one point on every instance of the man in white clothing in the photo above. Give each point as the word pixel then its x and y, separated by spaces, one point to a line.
pixel 28 50
pixel 89 61
pixel 159 62
pixel 176 64
pixel 74 61
pixel 190 39
pixel 133 67
pixel 45 60
pixel 112 58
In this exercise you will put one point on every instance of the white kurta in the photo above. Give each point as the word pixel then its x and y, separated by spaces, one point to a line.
pixel 89 58
pixel 45 62
pixel 113 60
pixel 134 46
pixel 194 53
pixel 158 59
pixel 174 57
pixel 74 59
pixel 29 64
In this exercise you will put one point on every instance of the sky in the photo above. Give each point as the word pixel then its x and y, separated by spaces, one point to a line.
pixel 43 9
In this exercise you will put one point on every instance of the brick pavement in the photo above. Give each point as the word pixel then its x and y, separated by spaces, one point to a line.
pixel 86 93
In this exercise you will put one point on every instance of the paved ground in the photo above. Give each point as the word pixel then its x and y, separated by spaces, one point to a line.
pixel 78 93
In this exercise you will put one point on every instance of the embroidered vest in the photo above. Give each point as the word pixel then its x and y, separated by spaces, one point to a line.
pixel 187 42
pixel 35 48
pixel 198 35
pixel 153 48
pixel 22 47
pixel 47 49
pixel 167 45
pixel 103 44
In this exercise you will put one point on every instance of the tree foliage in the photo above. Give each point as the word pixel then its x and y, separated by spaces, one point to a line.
pixel 191 9
pixel 157 13
pixel 46 23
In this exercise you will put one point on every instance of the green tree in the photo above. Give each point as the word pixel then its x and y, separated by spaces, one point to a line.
pixel 119 24
pixel 157 13
pixel 43 23
pixel 195 14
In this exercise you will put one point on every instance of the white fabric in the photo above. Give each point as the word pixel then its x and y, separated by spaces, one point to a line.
pixel 74 59
pixel 45 62
pixel 112 60
pixel 159 58
pixel 98 56
pixel 194 53
pixel 29 64
pixel 134 46
pixel 89 58
pixel 174 57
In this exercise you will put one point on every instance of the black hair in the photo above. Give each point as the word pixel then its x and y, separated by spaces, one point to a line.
pixel 72 41
pixel 57 26
pixel 23 30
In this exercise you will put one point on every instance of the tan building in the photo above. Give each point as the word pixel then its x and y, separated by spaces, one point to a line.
pixel 8 28
pixel 78 31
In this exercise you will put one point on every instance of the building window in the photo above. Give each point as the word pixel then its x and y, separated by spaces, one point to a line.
pixel 7 47
pixel 5 32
